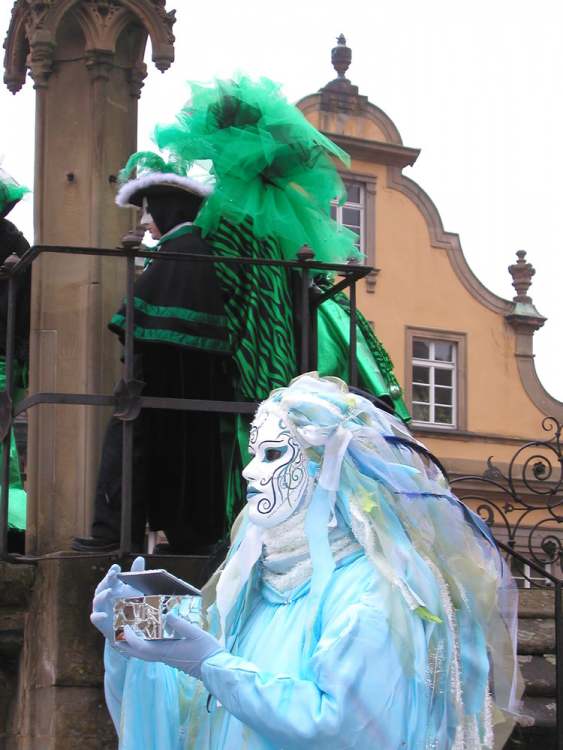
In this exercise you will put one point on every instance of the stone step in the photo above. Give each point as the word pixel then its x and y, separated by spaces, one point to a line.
pixel 538 712
pixel 539 674
pixel 11 632
pixel 534 603
pixel 536 636
pixel 532 738
pixel 536 730
pixel 16 582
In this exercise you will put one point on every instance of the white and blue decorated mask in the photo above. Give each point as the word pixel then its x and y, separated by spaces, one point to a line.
pixel 277 475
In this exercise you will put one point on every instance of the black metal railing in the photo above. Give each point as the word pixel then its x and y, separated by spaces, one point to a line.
pixel 127 400
pixel 510 501
pixel 523 506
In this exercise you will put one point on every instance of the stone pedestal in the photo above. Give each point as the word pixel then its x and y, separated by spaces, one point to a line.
pixel 60 702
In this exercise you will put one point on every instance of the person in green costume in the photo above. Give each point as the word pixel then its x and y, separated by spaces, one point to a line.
pixel 274 179
pixel 13 241
pixel 181 351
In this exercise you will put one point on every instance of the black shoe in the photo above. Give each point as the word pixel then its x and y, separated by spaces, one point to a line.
pixel 94 544
pixel 16 541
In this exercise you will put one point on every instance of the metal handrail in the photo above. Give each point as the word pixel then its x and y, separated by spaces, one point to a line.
pixel 126 403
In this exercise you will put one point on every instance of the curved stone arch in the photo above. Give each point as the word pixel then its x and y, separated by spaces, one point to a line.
pixel 312 103
pixel 154 18
pixel 309 103
pixel 448 241
pixel 544 401
pixel 382 120
pixel 95 36
pixel 158 22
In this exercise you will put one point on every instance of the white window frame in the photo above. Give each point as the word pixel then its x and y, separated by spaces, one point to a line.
pixel 432 364
pixel 523 576
pixel 361 206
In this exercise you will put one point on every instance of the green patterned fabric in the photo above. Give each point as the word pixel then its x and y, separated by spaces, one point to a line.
pixel 183 313
pixel 167 336
pixel 178 303
pixel 259 312
pixel 260 324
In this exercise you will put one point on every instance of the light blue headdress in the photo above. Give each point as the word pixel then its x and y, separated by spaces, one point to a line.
pixel 437 559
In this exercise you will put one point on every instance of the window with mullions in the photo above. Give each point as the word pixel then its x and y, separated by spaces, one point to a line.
pixel 352 213
pixel 434 382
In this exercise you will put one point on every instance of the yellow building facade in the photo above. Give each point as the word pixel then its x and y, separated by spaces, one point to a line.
pixel 463 354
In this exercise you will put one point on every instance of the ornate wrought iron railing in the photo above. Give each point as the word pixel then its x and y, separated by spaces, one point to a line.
pixel 523 505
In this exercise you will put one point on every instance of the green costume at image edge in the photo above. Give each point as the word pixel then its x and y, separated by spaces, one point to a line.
pixel 10 194
pixel 274 182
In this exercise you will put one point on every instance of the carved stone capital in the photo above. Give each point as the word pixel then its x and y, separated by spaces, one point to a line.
pixel 31 40
pixel 99 64
pixel 29 44
pixel 40 60
pixel 136 79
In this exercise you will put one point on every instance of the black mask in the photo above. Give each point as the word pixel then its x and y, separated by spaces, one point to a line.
pixel 172 208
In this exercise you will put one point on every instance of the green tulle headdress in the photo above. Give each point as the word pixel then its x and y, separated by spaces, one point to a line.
pixel 147 172
pixel 270 165
pixel 147 162
pixel 11 193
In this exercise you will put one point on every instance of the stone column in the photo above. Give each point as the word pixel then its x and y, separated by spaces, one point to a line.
pixel 86 61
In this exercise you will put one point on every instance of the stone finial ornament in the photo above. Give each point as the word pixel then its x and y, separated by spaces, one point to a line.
pixel 32 36
pixel 340 95
pixel 522 273
pixel 523 317
pixel 341 56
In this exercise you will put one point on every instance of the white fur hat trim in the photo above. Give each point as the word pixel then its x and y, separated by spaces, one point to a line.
pixel 164 179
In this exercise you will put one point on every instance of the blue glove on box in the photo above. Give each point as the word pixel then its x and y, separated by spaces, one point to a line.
pixel 109 589
pixel 186 654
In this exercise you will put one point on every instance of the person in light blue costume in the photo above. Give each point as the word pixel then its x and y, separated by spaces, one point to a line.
pixel 361 605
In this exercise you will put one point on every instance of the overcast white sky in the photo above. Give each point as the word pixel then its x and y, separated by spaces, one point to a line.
pixel 476 85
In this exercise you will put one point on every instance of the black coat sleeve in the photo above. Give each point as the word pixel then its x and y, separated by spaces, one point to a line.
pixel 13 241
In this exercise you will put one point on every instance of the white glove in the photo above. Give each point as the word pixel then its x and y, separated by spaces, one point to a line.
pixel 109 589
pixel 186 654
